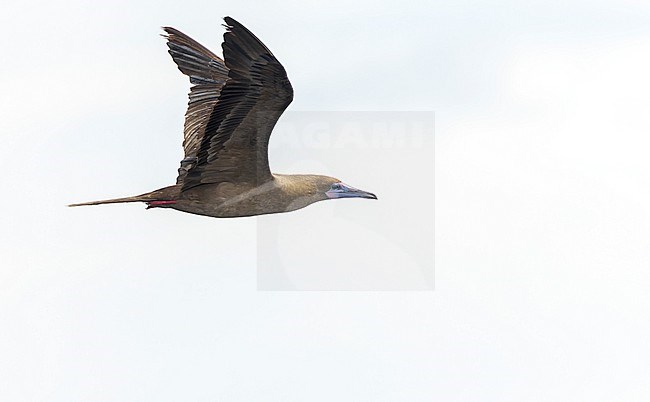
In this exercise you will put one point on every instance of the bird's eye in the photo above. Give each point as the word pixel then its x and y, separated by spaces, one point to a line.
pixel 336 186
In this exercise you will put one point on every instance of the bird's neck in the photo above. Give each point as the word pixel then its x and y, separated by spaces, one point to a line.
pixel 301 190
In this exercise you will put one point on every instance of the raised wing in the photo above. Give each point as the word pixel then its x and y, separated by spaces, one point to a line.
pixel 234 138
pixel 208 74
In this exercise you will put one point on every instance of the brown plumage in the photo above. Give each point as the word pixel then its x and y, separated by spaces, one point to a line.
pixel 234 105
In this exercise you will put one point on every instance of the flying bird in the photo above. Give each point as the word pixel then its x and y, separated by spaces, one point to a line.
pixel 234 104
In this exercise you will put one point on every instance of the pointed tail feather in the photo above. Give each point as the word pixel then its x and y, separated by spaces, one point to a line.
pixel 164 195
pixel 137 198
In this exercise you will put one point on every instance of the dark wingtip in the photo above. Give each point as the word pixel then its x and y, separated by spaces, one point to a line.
pixel 229 22
pixel 168 32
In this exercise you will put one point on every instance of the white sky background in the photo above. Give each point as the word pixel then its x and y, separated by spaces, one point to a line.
pixel 542 198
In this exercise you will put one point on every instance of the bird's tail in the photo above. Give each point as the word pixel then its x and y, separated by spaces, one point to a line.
pixel 137 198
pixel 159 197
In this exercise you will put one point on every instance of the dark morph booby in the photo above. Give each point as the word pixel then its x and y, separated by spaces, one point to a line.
pixel 234 104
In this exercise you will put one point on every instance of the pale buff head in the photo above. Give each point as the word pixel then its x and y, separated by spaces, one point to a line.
pixel 325 187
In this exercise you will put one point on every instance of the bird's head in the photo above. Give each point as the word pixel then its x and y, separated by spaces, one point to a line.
pixel 334 188
pixel 302 190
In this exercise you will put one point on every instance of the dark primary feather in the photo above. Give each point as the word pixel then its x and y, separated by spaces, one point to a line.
pixel 208 74
pixel 234 141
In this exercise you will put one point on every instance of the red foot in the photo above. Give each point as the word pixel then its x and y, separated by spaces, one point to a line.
pixel 154 204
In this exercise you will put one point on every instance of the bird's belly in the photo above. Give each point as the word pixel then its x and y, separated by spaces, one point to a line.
pixel 240 206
